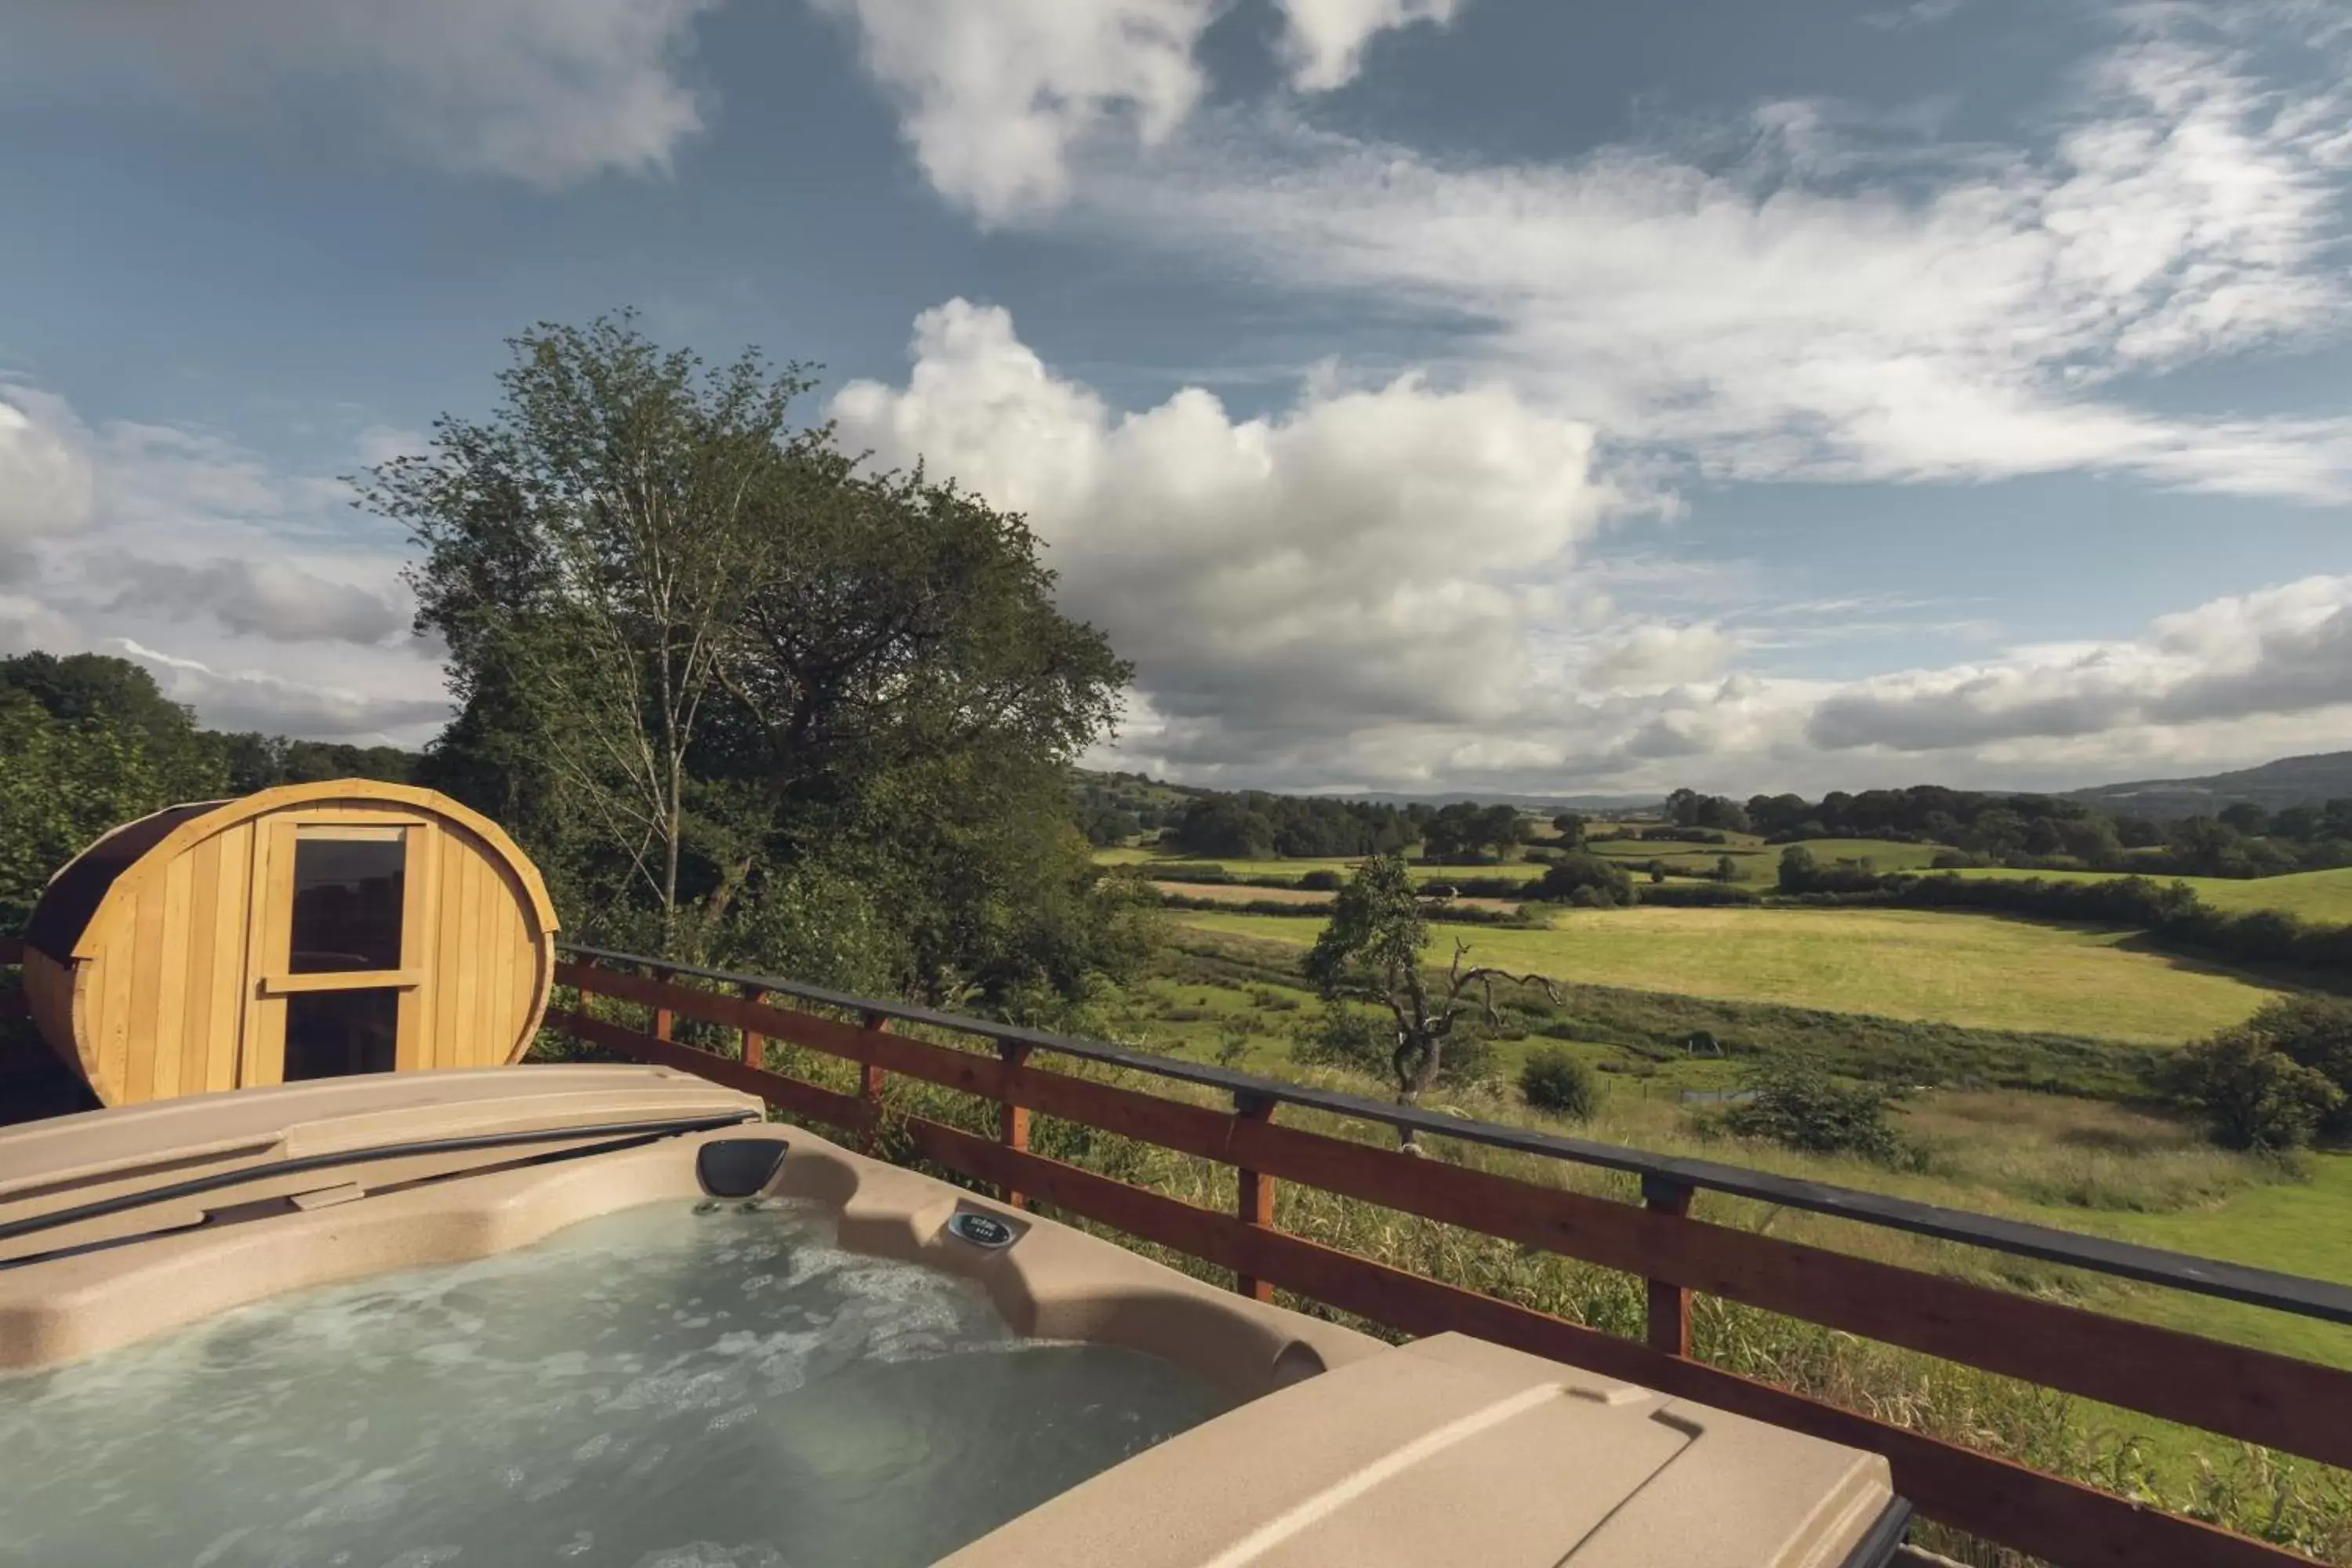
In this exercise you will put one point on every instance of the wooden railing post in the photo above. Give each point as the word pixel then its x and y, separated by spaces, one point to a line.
pixel 1670 1316
pixel 1255 1200
pixel 755 1045
pixel 869 1087
pixel 662 1020
pixel 1012 1121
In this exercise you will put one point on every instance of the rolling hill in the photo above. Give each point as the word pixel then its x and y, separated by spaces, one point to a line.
pixel 2290 780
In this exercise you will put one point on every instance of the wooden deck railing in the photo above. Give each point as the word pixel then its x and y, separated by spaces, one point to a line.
pixel 2277 1401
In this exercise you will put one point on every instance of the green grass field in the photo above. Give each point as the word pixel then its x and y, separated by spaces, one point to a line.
pixel 2325 897
pixel 1968 969
pixel 2078 1164
pixel 2298 1227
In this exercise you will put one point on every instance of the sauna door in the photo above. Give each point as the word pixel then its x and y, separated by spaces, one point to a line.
pixel 339 946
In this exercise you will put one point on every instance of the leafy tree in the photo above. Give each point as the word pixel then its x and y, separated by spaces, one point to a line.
pixel 1689 808
pixel 64 785
pixel 1502 829
pixel 1586 879
pixel 2314 1031
pixel 2301 823
pixel 1570 826
pixel 589 551
pixel 1798 1105
pixel 1253 825
pixel 716 674
pixel 90 692
pixel 2246 817
pixel 2207 847
pixel 1370 951
pixel 2255 1097
pixel 91 688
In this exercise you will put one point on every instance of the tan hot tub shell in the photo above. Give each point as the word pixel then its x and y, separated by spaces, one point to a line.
pixel 1341 1450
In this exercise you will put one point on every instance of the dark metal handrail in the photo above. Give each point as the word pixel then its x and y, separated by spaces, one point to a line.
pixel 2280 1292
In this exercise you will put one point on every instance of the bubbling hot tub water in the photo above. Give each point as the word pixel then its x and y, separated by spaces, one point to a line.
pixel 658 1388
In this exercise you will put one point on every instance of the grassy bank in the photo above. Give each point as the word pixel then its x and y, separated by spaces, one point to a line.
pixel 1974 970
pixel 2323 897
pixel 1212 983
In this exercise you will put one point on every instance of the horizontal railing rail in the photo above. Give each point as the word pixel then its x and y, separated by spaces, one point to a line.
pixel 2046 1244
pixel 2255 1395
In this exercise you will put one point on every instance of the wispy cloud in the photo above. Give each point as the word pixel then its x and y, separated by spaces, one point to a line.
pixel 548 92
pixel 1823 308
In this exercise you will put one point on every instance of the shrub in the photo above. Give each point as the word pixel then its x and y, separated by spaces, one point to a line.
pixel 2255 1097
pixel 1607 885
pixel 1190 871
pixel 1558 1084
pixel 1700 895
pixel 1325 881
pixel 1799 1106
pixel 2314 1032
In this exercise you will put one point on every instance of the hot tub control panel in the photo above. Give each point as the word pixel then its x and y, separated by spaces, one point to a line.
pixel 982 1230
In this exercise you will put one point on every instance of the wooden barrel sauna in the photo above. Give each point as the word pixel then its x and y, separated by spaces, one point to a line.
pixel 307 932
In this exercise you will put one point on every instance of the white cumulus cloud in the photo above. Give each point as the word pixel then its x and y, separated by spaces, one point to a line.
pixel 1387 586
pixel 47 482
pixel 2285 650
pixel 1325 40
pixel 995 98
pixel 1371 560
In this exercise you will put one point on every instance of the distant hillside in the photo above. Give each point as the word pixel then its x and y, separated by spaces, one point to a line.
pixel 2290 780
pixel 1133 790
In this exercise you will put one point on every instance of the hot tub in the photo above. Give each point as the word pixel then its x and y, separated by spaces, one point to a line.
pixel 606 1315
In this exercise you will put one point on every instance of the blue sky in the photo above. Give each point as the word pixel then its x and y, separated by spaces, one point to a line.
pixel 1516 394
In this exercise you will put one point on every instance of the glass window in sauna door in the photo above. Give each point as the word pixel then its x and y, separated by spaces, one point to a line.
pixel 349 895
pixel 338 995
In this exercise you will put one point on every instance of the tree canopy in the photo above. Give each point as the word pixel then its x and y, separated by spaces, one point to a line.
pixel 730 685
pixel 91 742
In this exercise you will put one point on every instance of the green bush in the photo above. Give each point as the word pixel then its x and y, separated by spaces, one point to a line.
pixel 2314 1032
pixel 2255 1097
pixel 1558 1084
pixel 1602 884
pixel 1325 881
pixel 1190 871
pixel 1799 1106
